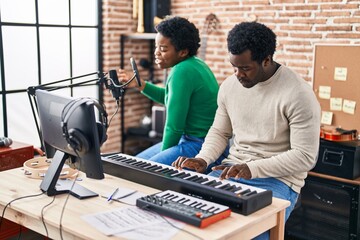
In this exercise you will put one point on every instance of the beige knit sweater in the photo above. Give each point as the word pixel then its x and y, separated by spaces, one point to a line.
pixel 275 125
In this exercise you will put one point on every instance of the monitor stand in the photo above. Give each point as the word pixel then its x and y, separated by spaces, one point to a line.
pixel 52 185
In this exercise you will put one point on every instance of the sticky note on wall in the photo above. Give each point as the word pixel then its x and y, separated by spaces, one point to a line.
pixel 335 104
pixel 326 117
pixel 324 92
pixel 349 106
pixel 340 74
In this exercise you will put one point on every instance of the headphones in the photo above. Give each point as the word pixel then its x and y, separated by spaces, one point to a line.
pixel 75 137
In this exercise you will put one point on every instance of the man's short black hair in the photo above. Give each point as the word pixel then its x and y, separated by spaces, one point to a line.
pixel 256 37
pixel 182 33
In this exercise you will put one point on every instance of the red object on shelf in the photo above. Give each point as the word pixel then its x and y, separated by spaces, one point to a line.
pixel 13 156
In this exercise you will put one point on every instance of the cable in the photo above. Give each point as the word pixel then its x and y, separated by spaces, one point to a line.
pixel 67 198
pixel 116 111
pixel 20 232
pixel 42 215
pixel 8 204
pixel 146 207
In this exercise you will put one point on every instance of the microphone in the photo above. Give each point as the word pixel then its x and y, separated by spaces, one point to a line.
pixel 5 142
pixel 136 72
pixel 115 91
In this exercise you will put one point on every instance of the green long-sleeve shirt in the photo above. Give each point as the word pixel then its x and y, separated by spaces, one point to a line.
pixel 190 96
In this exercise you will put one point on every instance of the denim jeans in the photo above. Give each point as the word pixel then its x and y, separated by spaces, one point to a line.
pixel 188 146
pixel 278 188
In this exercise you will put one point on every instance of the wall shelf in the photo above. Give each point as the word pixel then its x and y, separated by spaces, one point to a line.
pixel 150 37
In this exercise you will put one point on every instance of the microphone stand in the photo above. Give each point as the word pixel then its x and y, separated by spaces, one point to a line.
pixel 116 89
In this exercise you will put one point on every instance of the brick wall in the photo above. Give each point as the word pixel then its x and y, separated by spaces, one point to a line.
pixel 299 25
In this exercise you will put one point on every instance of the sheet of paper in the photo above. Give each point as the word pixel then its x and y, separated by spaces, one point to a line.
pixel 326 117
pixel 160 231
pixel 324 92
pixel 349 106
pixel 133 223
pixel 121 220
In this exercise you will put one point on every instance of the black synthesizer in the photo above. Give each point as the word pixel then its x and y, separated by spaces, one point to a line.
pixel 191 210
pixel 241 198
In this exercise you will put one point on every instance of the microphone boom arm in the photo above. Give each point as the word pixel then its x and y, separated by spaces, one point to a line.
pixel 48 86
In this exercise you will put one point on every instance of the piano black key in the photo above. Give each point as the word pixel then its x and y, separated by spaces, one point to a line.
pixel 209 182
pixel 162 169
pixel 165 170
pixel 200 180
pixel 186 200
pixel 215 183
pixel 172 171
pixel 194 179
pixel 228 188
pixel 224 186
pixel 137 163
pixel 165 195
pixel 250 193
pixel 146 165
pixel 154 168
pixel 168 196
pixel 244 192
pixel 181 199
pixel 236 188
pixel 119 158
pixel 215 210
pixel 191 177
pixel 129 161
pixel 211 208
pixel 181 174
pixel 198 205
pixel 142 164
pixel 174 198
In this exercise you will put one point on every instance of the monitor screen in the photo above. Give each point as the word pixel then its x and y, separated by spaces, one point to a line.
pixel 81 127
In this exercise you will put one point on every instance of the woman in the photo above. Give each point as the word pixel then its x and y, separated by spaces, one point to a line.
pixel 189 95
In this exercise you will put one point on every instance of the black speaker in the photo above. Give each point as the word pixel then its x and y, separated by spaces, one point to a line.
pixel 154 10
pixel 329 210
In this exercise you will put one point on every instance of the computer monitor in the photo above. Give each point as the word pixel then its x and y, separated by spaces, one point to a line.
pixel 53 113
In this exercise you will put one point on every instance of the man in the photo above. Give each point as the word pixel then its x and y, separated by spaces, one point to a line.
pixel 273 115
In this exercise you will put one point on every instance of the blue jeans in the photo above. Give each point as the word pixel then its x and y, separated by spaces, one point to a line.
pixel 188 146
pixel 278 188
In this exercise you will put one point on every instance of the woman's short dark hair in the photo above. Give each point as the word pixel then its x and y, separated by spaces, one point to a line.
pixel 253 36
pixel 182 33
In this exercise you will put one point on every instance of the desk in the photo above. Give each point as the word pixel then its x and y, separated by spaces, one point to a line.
pixel 27 212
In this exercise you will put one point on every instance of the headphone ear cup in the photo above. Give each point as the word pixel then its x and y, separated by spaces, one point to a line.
pixel 78 141
pixel 102 132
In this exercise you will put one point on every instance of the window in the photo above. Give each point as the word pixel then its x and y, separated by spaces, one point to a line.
pixel 43 41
